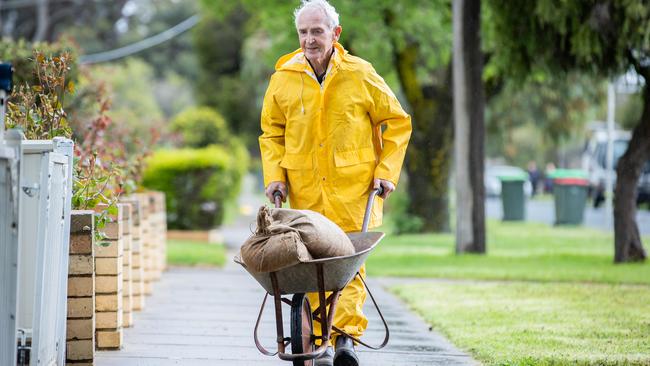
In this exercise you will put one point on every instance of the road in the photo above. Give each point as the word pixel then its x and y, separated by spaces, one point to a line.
pixel 544 211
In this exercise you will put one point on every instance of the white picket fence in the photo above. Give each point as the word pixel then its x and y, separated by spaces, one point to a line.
pixel 35 214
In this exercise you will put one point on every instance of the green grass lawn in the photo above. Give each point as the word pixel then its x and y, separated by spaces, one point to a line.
pixel 195 253
pixel 523 323
pixel 541 296
pixel 516 251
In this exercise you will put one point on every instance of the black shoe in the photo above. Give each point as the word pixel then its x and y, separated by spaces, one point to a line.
pixel 345 354
pixel 326 358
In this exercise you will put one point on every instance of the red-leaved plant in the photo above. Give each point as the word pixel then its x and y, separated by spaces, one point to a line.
pixel 103 166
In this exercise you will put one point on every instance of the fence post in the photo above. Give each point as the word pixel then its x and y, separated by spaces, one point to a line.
pixel 9 239
pixel 64 147
pixel 45 182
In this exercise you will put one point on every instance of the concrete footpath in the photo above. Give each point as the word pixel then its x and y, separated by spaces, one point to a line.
pixel 206 317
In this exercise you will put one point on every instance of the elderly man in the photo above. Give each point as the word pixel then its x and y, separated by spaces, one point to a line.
pixel 323 145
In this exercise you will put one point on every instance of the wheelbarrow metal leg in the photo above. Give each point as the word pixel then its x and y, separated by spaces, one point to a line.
pixel 259 346
pixel 277 298
pixel 322 303
pixel 387 332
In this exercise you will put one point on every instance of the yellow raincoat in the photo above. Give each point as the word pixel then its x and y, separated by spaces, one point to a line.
pixel 325 141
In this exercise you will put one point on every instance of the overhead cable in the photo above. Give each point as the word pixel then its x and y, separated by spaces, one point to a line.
pixel 142 45
pixel 17 4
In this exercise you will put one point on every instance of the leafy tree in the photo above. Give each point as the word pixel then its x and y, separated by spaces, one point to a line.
pixel 223 84
pixel 530 121
pixel 133 101
pixel 146 18
pixel 420 44
pixel 628 110
pixel 602 37
pixel 46 20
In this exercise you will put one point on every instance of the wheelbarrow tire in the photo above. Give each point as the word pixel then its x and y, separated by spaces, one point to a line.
pixel 302 326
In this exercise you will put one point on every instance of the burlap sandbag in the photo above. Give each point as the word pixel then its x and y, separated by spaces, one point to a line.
pixel 323 238
pixel 272 248
pixel 285 237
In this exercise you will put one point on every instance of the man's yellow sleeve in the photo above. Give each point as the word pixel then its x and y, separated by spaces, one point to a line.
pixel 271 141
pixel 386 110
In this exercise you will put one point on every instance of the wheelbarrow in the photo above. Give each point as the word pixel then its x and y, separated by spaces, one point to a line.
pixel 321 276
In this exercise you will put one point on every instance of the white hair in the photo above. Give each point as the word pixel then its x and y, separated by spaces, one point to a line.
pixel 330 13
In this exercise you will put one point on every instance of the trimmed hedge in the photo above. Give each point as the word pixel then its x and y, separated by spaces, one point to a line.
pixel 198 183
pixel 201 127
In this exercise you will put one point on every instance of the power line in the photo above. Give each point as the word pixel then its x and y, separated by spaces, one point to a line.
pixel 17 4
pixel 142 45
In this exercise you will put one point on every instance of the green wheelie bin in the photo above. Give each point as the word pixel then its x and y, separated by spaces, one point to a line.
pixel 512 196
pixel 570 194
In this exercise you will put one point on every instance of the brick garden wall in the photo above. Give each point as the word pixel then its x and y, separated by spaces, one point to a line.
pixel 108 281
pixel 80 335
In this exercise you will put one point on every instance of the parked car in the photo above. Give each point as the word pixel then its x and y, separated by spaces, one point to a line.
pixel 493 183
pixel 595 163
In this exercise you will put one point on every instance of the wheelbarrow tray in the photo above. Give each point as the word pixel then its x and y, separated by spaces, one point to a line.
pixel 337 271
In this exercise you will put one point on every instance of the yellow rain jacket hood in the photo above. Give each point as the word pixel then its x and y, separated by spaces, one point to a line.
pixel 326 140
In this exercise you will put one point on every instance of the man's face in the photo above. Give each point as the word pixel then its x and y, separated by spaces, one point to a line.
pixel 316 38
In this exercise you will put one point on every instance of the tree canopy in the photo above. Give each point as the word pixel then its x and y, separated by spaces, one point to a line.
pixel 538 37
pixel 542 37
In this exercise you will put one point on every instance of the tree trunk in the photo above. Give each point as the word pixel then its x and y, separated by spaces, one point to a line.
pixel 627 241
pixel 428 157
pixel 469 102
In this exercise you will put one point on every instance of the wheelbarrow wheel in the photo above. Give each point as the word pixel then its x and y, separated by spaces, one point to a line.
pixel 302 340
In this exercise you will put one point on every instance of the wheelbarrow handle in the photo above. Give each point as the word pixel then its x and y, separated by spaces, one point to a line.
pixel 371 198
pixel 277 197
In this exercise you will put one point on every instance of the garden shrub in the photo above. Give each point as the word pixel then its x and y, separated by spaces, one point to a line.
pixel 198 182
pixel 200 127
pixel 21 55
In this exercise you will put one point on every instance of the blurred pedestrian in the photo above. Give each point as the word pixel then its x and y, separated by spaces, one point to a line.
pixel 534 176
pixel 548 177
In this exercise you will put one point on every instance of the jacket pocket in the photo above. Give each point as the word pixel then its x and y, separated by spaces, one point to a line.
pixel 296 161
pixel 353 157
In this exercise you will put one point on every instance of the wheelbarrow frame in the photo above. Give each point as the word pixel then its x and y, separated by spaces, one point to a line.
pixel 276 289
